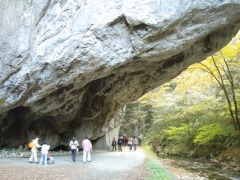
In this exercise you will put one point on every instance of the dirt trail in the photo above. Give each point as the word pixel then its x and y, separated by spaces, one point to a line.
pixel 107 165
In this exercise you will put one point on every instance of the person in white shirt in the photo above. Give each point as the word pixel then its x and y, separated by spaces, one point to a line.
pixel 74 148
pixel 44 153
pixel 34 151
pixel 87 148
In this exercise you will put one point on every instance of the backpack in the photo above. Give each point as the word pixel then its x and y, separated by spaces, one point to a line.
pixel 31 145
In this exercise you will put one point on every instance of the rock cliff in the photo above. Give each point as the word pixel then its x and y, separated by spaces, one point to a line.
pixel 69 66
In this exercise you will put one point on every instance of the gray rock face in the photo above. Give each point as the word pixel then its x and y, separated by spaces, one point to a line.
pixel 69 66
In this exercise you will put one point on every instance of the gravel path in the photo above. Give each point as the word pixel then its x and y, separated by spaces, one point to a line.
pixel 104 166
pixel 126 165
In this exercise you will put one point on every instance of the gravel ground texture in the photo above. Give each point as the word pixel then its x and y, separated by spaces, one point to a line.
pixel 104 166
pixel 126 165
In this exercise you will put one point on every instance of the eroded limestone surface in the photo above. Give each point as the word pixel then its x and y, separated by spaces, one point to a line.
pixel 69 66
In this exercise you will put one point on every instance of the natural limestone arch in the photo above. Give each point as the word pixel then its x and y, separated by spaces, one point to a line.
pixel 68 67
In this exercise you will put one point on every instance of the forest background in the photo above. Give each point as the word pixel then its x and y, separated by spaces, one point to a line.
pixel 197 113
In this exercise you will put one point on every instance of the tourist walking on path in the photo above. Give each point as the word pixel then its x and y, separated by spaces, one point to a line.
pixel 87 148
pixel 74 147
pixel 34 150
pixel 135 142
pixel 114 144
pixel 130 143
pixel 44 153
pixel 120 143
pixel 139 141
pixel 125 140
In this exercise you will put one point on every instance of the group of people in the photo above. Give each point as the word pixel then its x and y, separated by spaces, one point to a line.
pixel 119 142
pixel 132 142
pixel 46 156
pixel 87 148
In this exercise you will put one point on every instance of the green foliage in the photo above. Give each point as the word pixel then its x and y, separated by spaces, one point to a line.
pixel 154 168
pixel 176 132
pixel 190 114
pixel 137 115
pixel 232 140
pixel 232 155
pixel 208 133
pixel 157 172
pixel 223 68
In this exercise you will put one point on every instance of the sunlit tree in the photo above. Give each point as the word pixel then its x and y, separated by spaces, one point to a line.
pixel 221 67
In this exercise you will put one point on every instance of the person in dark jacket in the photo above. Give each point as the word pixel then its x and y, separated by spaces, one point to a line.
pixel 114 144
pixel 120 142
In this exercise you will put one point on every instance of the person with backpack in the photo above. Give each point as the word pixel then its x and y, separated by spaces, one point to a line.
pixel 74 148
pixel 34 146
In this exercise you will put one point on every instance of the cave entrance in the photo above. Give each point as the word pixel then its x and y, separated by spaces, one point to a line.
pixel 61 147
